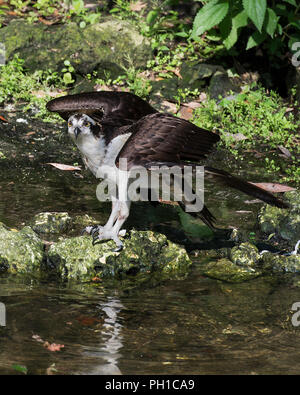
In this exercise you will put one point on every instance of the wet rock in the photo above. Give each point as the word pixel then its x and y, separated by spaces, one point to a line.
pixel 245 254
pixel 281 263
pixel 20 251
pixel 225 270
pixel 285 224
pixel 103 46
pixel 51 222
pixel 144 252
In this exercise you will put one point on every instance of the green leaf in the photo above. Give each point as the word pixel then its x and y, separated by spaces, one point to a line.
pixel 20 368
pixel 256 10
pixel 151 17
pixel 238 21
pixel 209 16
pixel 68 78
pixel 271 22
pixel 255 39
pixel 293 2
pixel 181 34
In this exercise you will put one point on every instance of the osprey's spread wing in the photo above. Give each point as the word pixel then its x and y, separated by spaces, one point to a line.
pixel 121 106
pixel 160 138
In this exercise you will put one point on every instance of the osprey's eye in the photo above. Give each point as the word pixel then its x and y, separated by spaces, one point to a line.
pixel 69 124
pixel 86 124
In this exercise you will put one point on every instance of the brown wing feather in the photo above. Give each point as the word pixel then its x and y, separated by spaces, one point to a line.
pixel 164 138
pixel 101 105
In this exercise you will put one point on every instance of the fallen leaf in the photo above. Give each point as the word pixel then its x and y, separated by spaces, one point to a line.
pixel 88 321
pixel 176 71
pixel 61 166
pixel 271 187
pixel 53 346
pixel 170 202
pixel 285 151
pixel 186 113
pixel 192 104
pixel 137 6
pixel 48 23
pixel 3 119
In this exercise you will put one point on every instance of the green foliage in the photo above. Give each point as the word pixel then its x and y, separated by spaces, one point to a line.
pixel 276 25
pixel 67 73
pixel 17 86
pixel 62 9
pixel 132 79
pixel 262 119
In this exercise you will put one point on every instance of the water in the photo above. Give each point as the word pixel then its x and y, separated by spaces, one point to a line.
pixel 194 326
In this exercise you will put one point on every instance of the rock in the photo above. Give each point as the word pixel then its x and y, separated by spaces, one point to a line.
pixel 285 224
pixel 245 254
pixel 144 252
pixel 221 85
pixel 194 74
pixel 281 263
pixel 104 46
pixel 225 270
pixel 20 252
pixel 51 222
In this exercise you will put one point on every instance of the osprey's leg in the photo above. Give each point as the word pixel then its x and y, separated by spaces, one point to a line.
pixel 120 214
pixel 96 229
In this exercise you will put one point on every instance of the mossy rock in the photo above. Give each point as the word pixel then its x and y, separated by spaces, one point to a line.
pixel 245 254
pixel 281 263
pixel 51 222
pixel 225 270
pixel 285 224
pixel 106 46
pixel 144 252
pixel 20 251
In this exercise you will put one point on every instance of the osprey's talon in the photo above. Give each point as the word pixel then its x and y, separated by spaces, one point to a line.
pixel 118 248
pixel 87 230
pixel 95 230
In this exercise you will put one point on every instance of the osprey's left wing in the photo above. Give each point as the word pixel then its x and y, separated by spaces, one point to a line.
pixel 160 138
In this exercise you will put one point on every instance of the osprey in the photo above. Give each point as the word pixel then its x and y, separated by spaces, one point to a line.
pixel 110 126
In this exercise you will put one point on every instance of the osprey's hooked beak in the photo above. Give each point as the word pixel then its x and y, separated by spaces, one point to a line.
pixel 76 132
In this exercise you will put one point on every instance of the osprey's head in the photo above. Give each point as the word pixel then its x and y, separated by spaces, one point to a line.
pixel 81 126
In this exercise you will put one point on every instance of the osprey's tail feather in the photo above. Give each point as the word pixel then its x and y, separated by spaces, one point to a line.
pixel 245 186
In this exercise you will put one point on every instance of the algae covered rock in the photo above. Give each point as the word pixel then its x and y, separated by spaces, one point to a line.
pixel 106 45
pixel 281 263
pixel 51 222
pixel 285 224
pixel 225 270
pixel 20 251
pixel 245 254
pixel 144 252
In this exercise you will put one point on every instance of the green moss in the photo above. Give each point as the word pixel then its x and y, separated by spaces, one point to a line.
pixel 20 252
pixel 245 254
pixel 225 270
pixel 284 223
pixel 144 252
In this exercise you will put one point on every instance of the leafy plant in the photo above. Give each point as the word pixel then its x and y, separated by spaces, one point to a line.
pixel 67 73
pixel 277 25
pixel 260 118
